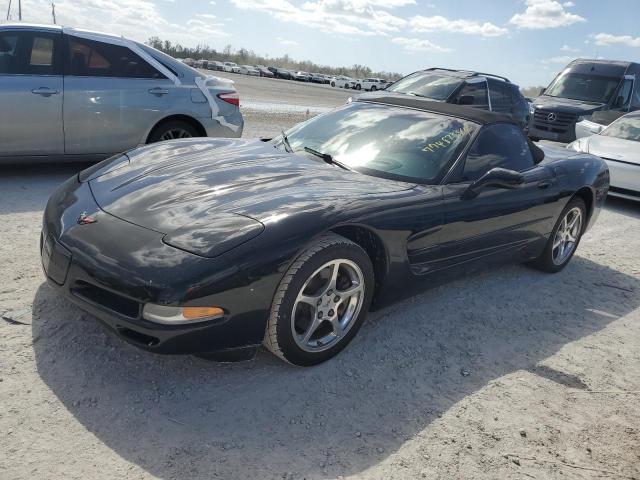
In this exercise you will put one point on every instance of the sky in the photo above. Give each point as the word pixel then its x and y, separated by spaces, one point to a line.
pixel 528 41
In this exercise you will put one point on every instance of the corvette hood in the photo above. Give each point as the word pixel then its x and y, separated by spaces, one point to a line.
pixel 172 186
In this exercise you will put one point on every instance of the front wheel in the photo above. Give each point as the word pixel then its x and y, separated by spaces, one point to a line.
pixel 321 302
pixel 373 88
pixel 358 87
pixel 564 238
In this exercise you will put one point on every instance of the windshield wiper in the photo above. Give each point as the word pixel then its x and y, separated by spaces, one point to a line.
pixel 285 141
pixel 326 157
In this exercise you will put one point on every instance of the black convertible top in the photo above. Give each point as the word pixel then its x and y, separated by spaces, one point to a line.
pixel 477 115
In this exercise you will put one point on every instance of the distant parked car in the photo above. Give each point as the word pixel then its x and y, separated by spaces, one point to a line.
pixel 341 82
pixel 316 78
pixel 111 95
pixel 189 61
pixel 302 76
pixel 264 71
pixel 371 84
pixel 215 65
pixel 281 73
pixel 204 64
pixel 583 87
pixel 249 70
pixel 619 146
pixel 231 67
pixel 464 87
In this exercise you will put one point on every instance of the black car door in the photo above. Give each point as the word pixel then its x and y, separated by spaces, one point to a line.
pixel 496 220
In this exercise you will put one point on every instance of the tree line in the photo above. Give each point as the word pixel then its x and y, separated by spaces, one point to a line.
pixel 244 56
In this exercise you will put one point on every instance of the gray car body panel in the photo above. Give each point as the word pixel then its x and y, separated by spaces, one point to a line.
pixel 94 117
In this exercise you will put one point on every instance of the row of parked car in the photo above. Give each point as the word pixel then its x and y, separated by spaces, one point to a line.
pixel 338 81
pixel 71 87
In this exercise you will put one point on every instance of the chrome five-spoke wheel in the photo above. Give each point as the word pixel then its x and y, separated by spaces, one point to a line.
pixel 321 301
pixel 327 305
pixel 567 236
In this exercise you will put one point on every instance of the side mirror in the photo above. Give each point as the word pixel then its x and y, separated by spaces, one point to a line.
pixel 542 90
pixel 466 100
pixel 619 103
pixel 496 177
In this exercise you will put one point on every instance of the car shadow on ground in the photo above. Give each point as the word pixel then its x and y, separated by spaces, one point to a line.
pixel 182 416
pixel 26 188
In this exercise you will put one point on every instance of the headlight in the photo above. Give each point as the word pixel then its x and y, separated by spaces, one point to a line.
pixel 532 109
pixel 180 315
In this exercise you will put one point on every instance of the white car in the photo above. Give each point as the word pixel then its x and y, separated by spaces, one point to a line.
pixel 341 82
pixel 619 146
pixel 249 70
pixel 371 84
pixel 596 122
pixel 231 67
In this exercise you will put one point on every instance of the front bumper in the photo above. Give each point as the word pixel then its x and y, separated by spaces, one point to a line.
pixel 111 268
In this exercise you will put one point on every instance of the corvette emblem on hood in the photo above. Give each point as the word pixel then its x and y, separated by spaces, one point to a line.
pixel 85 219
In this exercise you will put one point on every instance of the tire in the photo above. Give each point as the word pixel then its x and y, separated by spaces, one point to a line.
pixel 555 257
pixel 172 130
pixel 373 88
pixel 294 331
pixel 358 87
pixel 333 84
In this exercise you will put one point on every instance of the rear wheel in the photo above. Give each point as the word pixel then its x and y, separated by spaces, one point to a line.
pixel 172 130
pixel 373 88
pixel 564 238
pixel 321 302
pixel 358 87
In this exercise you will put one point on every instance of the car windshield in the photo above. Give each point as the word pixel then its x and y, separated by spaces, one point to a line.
pixel 425 84
pixel 384 141
pixel 581 86
pixel 627 128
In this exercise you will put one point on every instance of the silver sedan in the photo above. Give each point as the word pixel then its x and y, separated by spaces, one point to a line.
pixel 70 94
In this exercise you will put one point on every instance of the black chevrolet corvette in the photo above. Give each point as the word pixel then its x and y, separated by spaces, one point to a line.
pixel 216 246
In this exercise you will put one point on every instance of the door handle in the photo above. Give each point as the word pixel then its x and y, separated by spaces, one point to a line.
pixel 158 91
pixel 544 184
pixel 45 91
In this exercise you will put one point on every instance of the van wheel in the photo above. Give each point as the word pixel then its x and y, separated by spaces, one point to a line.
pixel 172 130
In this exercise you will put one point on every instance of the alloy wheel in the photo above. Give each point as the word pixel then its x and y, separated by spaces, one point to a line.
pixel 327 305
pixel 567 236
pixel 175 133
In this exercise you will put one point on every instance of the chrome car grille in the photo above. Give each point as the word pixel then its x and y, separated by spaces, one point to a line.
pixel 558 122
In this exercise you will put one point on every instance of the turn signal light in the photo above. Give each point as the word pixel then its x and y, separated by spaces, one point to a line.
pixel 201 312
pixel 171 315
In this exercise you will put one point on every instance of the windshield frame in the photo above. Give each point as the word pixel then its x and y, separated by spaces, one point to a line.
pixel 425 73
pixel 612 124
pixel 444 171
pixel 567 73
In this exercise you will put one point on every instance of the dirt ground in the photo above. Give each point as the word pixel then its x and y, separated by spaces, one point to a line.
pixel 508 374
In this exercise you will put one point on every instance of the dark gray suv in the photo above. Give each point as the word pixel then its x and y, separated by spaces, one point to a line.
pixel 464 87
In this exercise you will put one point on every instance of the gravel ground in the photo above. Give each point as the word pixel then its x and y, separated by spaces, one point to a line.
pixel 508 374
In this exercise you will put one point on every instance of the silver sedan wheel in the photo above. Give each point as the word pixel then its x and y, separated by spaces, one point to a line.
pixel 174 134
pixel 566 238
pixel 327 305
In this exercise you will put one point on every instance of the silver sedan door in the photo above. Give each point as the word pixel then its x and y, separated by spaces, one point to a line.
pixel 31 93
pixel 112 97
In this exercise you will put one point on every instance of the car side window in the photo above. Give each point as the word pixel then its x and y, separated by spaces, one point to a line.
pixel 635 101
pixel 501 98
pixel 478 91
pixel 92 58
pixel 623 98
pixel 500 145
pixel 9 53
pixel 29 53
